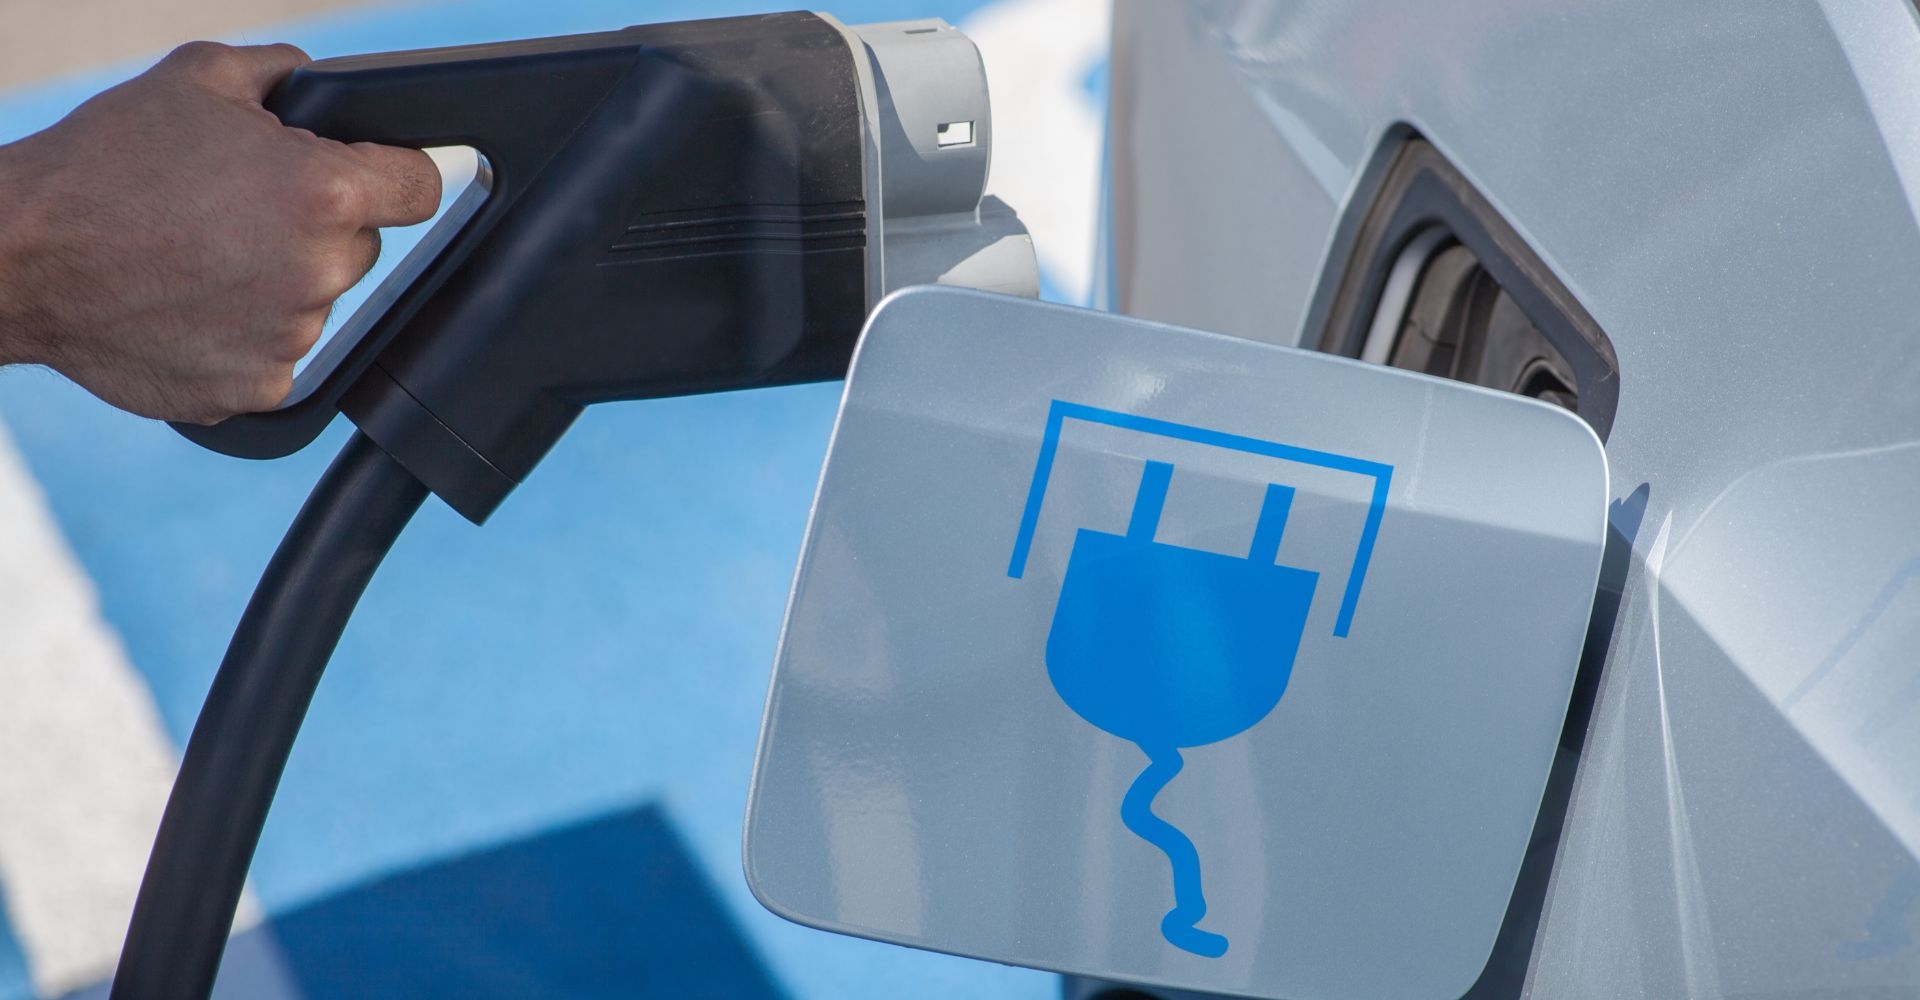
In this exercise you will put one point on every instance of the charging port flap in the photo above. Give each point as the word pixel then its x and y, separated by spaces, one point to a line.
pixel 1131 651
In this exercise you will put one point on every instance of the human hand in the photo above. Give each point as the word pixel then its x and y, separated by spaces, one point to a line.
pixel 176 250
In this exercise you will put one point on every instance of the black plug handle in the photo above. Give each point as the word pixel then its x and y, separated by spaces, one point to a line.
pixel 676 208
pixel 517 103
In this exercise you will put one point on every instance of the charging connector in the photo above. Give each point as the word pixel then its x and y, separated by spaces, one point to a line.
pixel 929 133
pixel 674 208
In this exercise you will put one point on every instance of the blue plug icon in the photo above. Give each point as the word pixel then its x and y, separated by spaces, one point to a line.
pixel 1171 648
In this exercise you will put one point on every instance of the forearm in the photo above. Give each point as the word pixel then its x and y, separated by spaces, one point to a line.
pixel 17 221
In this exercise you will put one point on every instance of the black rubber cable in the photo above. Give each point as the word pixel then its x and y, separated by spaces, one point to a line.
pixel 253 712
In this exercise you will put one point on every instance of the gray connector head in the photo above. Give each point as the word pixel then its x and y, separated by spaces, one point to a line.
pixel 929 143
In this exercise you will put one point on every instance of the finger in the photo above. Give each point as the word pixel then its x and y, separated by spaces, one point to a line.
pixel 244 73
pixel 340 267
pixel 402 185
pixel 260 68
pixel 298 339
pixel 265 391
pixel 366 251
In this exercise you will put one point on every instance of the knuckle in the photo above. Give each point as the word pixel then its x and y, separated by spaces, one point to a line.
pixel 264 392
pixel 313 282
pixel 201 56
pixel 291 346
pixel 290 50
pixel 329 197
pixel 304 336
pixel 368 253
pixel 334 274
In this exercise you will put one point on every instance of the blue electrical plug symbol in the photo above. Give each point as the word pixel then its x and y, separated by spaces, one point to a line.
pixel 1170 647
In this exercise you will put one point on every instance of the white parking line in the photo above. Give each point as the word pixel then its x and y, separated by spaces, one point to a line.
pixel 86 763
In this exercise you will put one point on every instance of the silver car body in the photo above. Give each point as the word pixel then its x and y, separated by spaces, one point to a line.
pixel 1732 192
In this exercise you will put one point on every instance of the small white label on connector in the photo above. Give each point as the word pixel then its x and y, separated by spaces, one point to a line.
pixel 954 134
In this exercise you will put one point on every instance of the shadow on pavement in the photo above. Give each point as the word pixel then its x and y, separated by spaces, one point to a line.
pixel 613 907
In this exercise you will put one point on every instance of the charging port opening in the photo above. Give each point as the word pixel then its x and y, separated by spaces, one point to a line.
pixel 1436 281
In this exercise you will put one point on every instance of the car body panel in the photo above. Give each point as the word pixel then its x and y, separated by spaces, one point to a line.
pixel 1728 189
